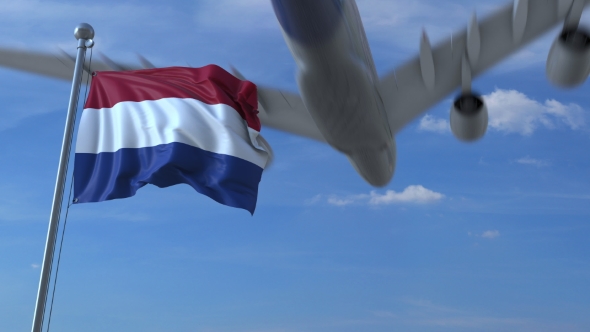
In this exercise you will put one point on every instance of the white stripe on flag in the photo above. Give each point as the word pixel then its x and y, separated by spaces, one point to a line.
pixel 214 128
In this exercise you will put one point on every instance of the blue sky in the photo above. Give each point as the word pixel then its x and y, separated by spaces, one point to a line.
pixel 490 236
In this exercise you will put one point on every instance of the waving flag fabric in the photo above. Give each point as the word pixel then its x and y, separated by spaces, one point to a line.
pixel 168 126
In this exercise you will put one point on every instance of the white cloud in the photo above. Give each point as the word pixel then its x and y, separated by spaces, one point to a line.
pixel 512 111
pixel 490 234
pixel 35 266
pixel 531 161
pixel 430 123
pixel 340 201
pixel 414 194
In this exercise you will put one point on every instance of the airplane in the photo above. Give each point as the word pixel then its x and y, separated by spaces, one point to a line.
pixel 343 101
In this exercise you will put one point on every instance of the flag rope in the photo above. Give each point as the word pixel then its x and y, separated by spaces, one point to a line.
pixel 63 231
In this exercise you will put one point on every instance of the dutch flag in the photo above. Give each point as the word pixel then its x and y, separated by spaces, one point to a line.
pixel 168 126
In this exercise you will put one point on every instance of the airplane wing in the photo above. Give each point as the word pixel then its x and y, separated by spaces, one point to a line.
pixel 56 65
pixel 413 88
pixel 407 91
pixel 279 109
pixel 285 111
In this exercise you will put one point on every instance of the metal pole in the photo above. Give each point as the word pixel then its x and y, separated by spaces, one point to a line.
pixel 84 34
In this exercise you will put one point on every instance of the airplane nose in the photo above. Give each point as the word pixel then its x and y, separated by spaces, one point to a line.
pixel 309 22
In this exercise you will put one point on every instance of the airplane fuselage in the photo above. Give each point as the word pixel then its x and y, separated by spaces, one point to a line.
pixel 337 81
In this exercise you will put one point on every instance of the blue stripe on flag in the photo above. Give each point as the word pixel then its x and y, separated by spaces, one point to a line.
pixel 109 175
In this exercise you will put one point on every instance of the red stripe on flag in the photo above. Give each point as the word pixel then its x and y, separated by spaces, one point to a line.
pixel 210 84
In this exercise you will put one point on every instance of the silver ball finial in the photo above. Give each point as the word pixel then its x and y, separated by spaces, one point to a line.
pixel 84 31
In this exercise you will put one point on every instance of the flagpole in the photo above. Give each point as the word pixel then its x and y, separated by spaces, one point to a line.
pixel 84 34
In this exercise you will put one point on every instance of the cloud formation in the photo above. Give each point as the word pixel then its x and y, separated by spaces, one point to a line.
pixel 531 161
pixel 492 234
pixel 414 194
pixel 344 201
pixel 430 123
pixel 511 111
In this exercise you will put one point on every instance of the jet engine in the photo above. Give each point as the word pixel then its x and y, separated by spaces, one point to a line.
pixel 568 63
pixel 469 117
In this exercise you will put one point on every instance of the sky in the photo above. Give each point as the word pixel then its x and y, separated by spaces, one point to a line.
pixel 488 236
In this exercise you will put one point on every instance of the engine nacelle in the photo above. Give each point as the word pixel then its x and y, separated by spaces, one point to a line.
pixel 568 63
pixel 469 117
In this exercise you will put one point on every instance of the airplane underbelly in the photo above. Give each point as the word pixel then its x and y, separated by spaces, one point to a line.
pixel 336 86
pixel 343 104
